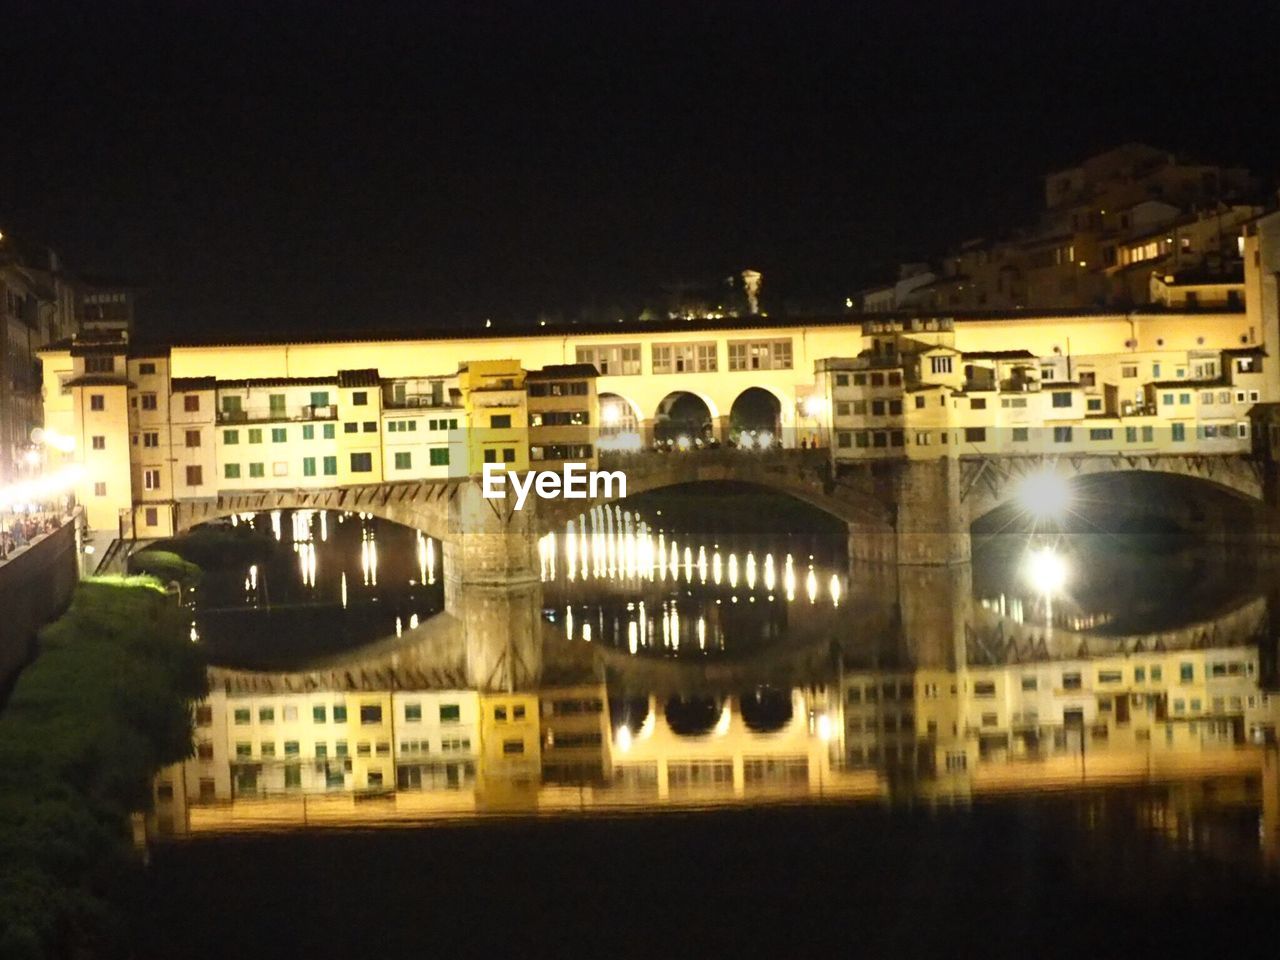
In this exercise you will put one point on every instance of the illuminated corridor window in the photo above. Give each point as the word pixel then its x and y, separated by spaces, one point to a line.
pixel 760 355
pixel 231 471
pixel 330 466
pixel 684 357
pixel 361 462
pixel 404 461
pixel 613 360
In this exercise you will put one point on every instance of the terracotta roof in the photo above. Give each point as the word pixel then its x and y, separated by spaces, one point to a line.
pixel 358 378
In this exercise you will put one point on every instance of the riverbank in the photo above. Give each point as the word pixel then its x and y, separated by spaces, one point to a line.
pixel 106 705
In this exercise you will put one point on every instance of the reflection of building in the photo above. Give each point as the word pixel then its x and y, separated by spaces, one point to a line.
pixel 911 394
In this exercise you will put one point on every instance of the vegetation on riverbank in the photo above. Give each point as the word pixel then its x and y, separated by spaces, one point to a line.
pixel 104 707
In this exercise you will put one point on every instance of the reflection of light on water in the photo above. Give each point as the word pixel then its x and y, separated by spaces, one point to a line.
pixel 702 633
pixel 422 558
pixel 824 727
pixel 586 631
pixel 413 621
pixel 275 524
pixel 324 525
pixel 715 566
pixel 568 622
pixel 811 585
pixel 769 579
pixel 571 552
pixel 722 725
pixel 633 641
pixel 675 628
pixel 1046 571
pixel 623 738
pixel 344 589
pixel 835 590
pixel 789 579
pixel 195 634
pixel 688 564
pixel 399 627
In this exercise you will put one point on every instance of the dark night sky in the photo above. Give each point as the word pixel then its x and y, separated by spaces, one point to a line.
pixel 325 165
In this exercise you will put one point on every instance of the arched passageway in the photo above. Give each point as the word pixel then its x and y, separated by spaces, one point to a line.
pixel 682 415
pixel 755 419
pixel 619 424
pixel 766 709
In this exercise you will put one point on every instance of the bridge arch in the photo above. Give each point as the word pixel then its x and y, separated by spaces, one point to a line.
pixel 685 413
pixel 756 409
pixel 988 485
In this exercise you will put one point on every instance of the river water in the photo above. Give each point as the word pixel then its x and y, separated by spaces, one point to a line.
pixel 1083 709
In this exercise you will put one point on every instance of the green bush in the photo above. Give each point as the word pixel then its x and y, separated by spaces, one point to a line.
pixel 166 567
pixel 104 707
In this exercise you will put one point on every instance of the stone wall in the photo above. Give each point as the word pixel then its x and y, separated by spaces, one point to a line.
pixel 35 587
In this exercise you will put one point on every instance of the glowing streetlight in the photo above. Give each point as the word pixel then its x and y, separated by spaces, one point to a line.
pixel 610 415
pixel 1045 495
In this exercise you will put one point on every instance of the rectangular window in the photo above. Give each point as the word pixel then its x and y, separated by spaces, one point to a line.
pixel 99 364
pixel 359 398
pixel 275 403
pixel 1020 434
pixel 319 398
pixel 371 426
pixel 151 478
pixel 412 712
pixel 308 431
pixel 255 435
pixel 1129 371
pixel 1061 434
pixel 230 437
pixel 1130 434
pixel 1109 676
pixel 192 439
pixel 760 355
pixel 98 443
pixel 940 364
pixel 279 434
pixel 439 456
pixel 500 421
pixel 231 471
pixel 975 434
pixel 404 461
pixel 195 476
pixel 978 403
pixel 1071 681
pixel 1148 434
pixel 151 439
pixel 1186 672
pixel 330 466
pixel 615 360
pixel 308 466
pixel 257 470
pixel 510 747
pixel 148 401
pixel 684 357
pixel 361 462
pixel 1101 433
pixel 318 713
pixel 329 430
pixel 450 713
pixel 1061 398
pixel 266 714
pixel 151 516
pixel 352 427
pixel 1179 432
pixel 339 713
pixel 1028 683
pixel 191 403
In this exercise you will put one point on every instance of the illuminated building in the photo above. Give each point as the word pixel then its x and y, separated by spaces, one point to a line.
pixel 563 410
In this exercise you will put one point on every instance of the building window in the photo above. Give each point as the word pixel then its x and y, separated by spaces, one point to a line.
pixel 1186 673
pixel 151 516
pixel 975 434
pixel 940 364
pixel 257 470
pixel 97 402
pixel 512 747
pixel 308 466
pixel 684 357
pixel 371 426
pixel 1061 398
pixel 1179 432
pixel 760 355
pixel 1020 434
pixel 308 431
pixel 280 468
pixel 370 713
pixel 195 476
pixel 99 443
pixel 330 466
pixel 191 403
pixel 843 440
pixel 359 398
pixel 450 713
pixel 501 421
pixel 404 461
pixel 1129 371
pixel 352 427
pixel 620 360
pixel 1061 434
pixel 151 478
pixel 978 403
pixel 439 456
pixel 279 434
pixel 99 364
pixel 329 431
pixel 255 435
pixel 231 471
pixel 340 713
pixel 1101 433
pixel 230 437
pixel 1130 434
pixel 1148 434
pixel 99 489
pixel 151 439
pixel 361 463
pixel 412 712
pixel 193 438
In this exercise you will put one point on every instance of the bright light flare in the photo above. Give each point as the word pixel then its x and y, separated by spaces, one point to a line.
pixel 1045 495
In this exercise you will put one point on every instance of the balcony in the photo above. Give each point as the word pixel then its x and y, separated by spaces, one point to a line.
pixel 327 411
